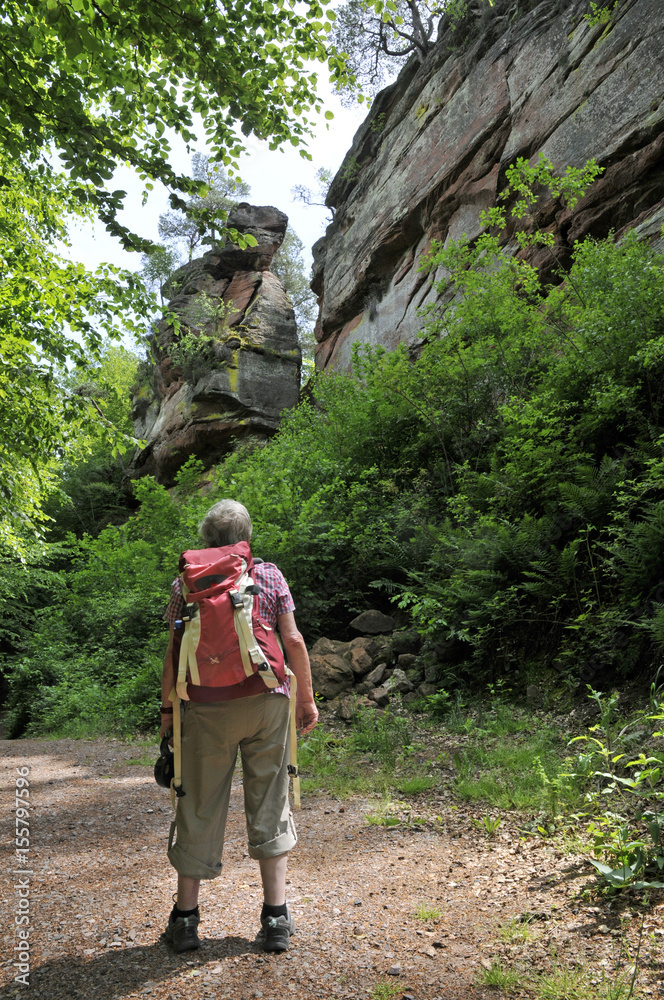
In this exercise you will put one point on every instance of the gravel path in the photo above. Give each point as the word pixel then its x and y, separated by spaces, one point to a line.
pixel 100 891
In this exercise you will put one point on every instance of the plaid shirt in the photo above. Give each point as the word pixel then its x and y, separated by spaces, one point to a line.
pixel 274 599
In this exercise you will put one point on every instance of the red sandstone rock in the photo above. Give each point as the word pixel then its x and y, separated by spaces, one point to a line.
pixel 248 369
pixel 450 128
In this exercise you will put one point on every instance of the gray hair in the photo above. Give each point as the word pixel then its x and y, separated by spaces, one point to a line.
pixel 226 523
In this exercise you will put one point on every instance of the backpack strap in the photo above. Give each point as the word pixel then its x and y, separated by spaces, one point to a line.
pixel 188 646
pixel 253 658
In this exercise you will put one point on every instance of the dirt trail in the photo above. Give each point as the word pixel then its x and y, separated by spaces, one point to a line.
pixel 100 893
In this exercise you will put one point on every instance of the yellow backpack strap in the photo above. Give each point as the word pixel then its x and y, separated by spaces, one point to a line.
pixel 251 653
pixel 292 767
pixel 188 646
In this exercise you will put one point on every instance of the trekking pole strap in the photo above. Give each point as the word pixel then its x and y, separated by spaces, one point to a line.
pixel 176 783
pixel 292 767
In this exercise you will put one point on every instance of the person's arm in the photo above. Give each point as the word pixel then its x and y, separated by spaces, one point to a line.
pixel 167 687
pixel 306 713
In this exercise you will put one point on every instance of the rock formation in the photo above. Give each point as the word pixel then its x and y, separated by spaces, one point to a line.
pixel 227 358
pixel 434 150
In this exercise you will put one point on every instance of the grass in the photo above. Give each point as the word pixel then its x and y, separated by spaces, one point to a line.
pixel 425 912
pixel 508 760
pixel 502 979
pixel 515 931
pixel 386 990
pixel 385 813
pixel 560 984
pixel 416 785
pixel 363 759
pixel 375 819
pixel 497 764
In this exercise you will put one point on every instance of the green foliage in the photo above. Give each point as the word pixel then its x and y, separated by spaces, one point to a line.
pixel 91 660
pixel 630 837
pixel 386 990
pixel 601 12
pixel 54 315
pixel 105 83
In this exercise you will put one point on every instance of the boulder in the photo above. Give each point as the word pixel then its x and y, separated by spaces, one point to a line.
pixel 383 651
pixel 369 643
pixel 534 695
pixel 425 689
pixel 406 661
pixel 331 674
pixel 431 672
pixel 398 682
pixel 376 675
pixel 322 647
pixel 347 708
pixel 380 696
pixel 372 621
pixel 360 662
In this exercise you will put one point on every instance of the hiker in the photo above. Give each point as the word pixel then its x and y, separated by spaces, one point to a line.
pixel 215 722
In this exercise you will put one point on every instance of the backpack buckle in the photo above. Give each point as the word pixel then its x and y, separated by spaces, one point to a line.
pixel 236 599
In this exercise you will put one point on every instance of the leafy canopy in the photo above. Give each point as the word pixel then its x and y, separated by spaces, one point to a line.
pixel 104 83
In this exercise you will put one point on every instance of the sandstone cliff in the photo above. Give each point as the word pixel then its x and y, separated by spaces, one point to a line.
pixel 230 364
pixel 434 150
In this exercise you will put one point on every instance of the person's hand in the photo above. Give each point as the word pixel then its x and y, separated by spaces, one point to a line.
pixel 166 727
pixel 306 716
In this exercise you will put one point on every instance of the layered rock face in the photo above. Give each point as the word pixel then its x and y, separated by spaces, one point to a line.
pixel 434 151
pixel 227 358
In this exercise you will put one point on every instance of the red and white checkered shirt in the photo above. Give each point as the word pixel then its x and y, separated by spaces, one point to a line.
pixel 274 599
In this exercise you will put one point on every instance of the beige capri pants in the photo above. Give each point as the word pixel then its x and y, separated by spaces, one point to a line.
pixel 211 735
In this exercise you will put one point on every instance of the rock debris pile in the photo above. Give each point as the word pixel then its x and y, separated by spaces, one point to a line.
pixel 372 669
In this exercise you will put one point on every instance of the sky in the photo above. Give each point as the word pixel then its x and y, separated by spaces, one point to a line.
pixel 270 173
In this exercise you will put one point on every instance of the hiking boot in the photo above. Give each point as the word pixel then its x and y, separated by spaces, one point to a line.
pixel 181 932
pixel 275 933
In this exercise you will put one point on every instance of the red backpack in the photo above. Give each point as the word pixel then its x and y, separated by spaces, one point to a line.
pixel 225 640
